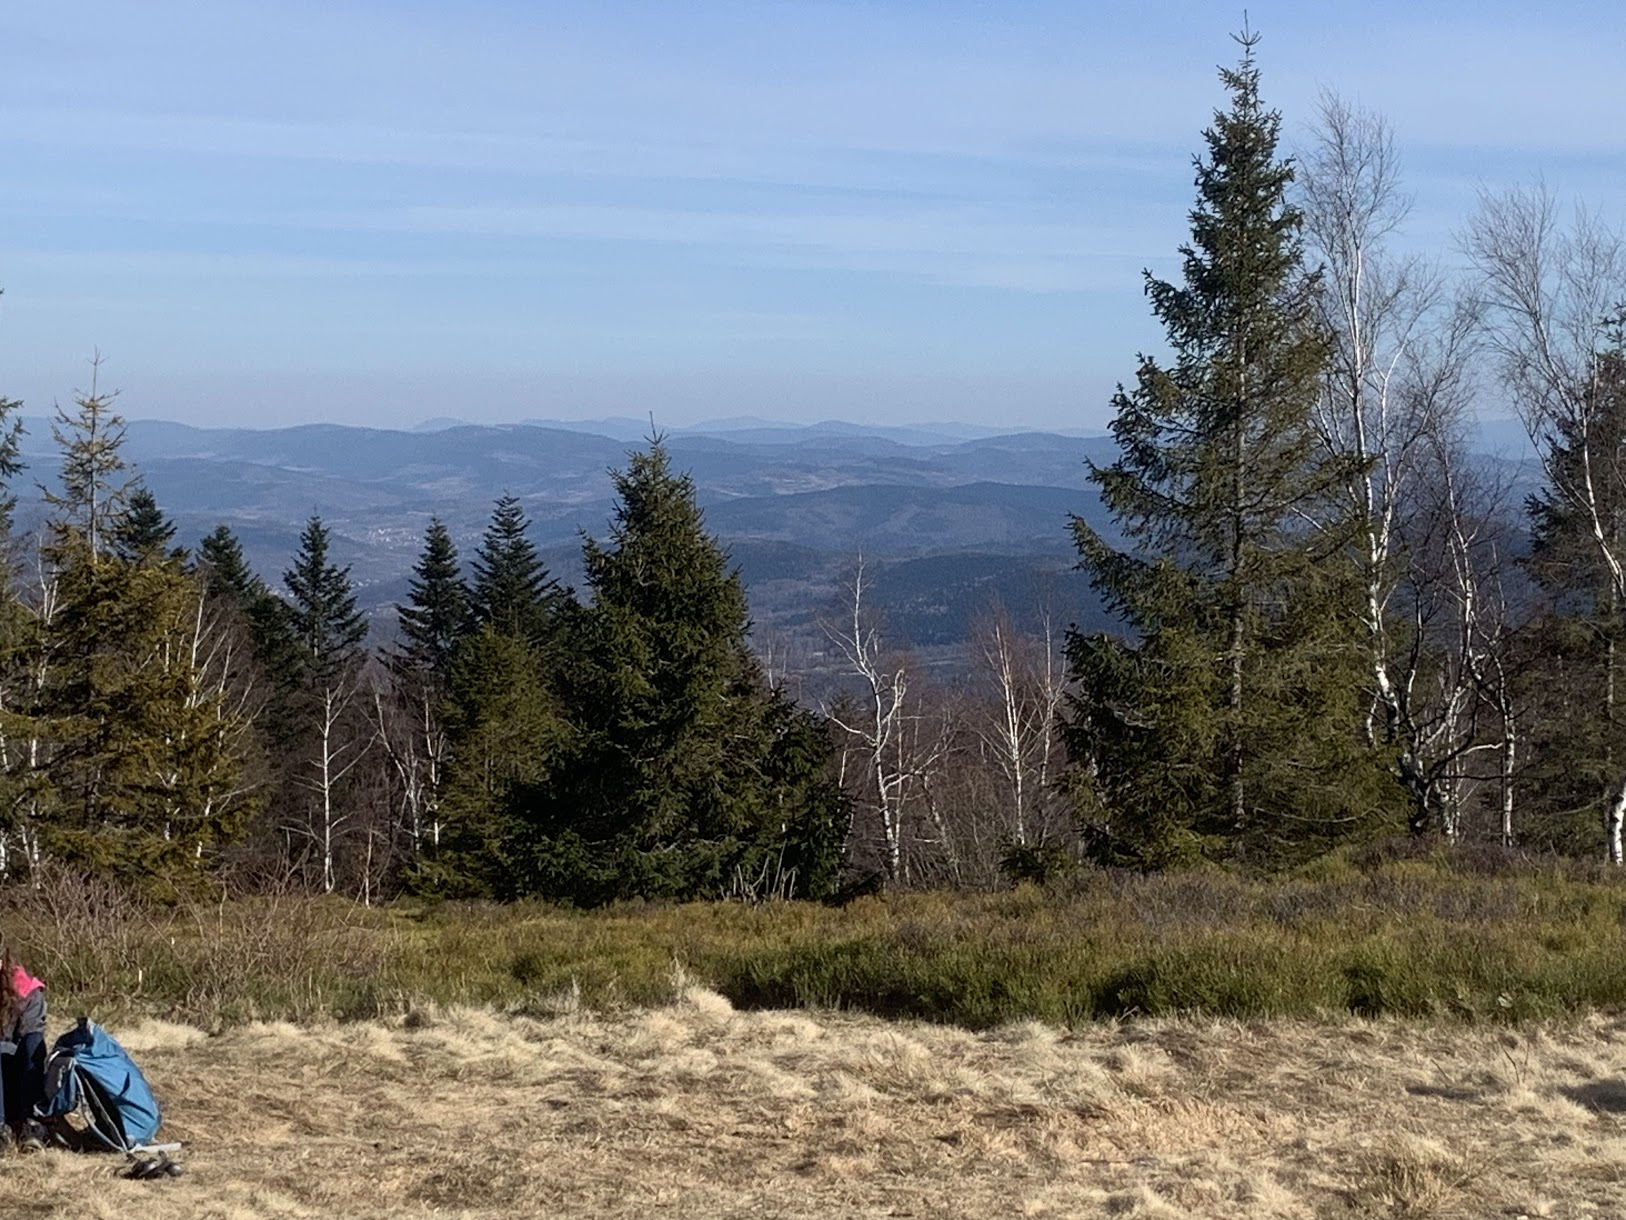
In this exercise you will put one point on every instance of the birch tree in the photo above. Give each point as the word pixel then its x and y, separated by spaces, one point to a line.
pixel 1026 677
pixel 1553 295
pixel 898 747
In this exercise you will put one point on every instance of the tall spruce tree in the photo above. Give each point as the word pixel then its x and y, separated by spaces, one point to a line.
pixel 268 623
pixel 329 631
pixel 225 570
pixel 411 717
pixel 144 756
pixel 1226 725
pixel 437 616
pixel 494 651
pixel 512 591
pixel 507 735
pixel 95 483
pixel 327 625
pixel 687 773
pixel 11 463
pixel 151 753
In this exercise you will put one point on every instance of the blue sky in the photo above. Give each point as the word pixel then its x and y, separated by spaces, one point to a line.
pixel 265 213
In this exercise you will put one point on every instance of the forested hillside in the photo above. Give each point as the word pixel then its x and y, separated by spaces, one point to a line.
pixel 1295 610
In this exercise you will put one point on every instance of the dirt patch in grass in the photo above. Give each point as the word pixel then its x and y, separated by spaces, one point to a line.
pixel 696 1110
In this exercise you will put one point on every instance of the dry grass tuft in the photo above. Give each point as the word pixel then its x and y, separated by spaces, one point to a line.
pixel 155 1035
pixel 1411 1175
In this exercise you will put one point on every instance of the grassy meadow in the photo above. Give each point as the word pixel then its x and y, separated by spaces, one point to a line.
pixel 1388 1034
pixel 698 1109
pixel 1477 939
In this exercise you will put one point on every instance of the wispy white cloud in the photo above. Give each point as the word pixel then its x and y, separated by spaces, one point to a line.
pixel 934 185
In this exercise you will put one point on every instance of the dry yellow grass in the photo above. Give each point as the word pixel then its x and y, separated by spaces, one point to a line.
pixel 696 1110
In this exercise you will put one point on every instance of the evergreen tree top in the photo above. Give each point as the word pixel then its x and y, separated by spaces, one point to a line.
pixel 437 616
pixel 1233 402
pixel 1245 248
pixel 228 571
pixel 660 555
pixel 143 533
pixel 11 463
pixel 329 627
pixel 512 590
pixel 95 487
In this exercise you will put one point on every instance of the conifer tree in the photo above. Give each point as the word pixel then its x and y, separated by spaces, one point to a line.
pixel 506 735
pixel 19 638
pixel 11 463
pixel 329 631
pixel 512 590
pixel 1228 726
pixel 145 756
pixel 326 623
pixel 151 753
pixel 437 616
pixel 494 649
pixel 410 718
pixel 274 664
pixel 220 554
pixel 228 576
pixel 143 534
pixel 684 775
pixel 95 483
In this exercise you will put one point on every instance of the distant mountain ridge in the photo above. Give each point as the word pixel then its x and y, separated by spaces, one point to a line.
pixel 796 505
pixel 751 429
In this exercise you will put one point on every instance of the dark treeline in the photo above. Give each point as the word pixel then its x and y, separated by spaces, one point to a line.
pixel 1338 625
pixel 169 719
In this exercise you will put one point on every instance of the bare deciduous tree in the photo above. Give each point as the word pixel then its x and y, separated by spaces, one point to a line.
pixel 1553 297
pixel 337 749
pixel 900 749
pixel 1375 310
pixel 1457 701
pixel 415 746
pixel 1027 678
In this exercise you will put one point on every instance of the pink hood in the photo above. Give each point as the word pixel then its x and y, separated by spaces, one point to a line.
pixel 23 983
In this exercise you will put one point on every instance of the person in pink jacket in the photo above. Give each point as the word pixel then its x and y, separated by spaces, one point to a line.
pixel 22 1052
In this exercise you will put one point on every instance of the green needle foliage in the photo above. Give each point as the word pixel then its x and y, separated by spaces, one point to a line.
pixel 11 463
pixel 328 626
pixel 267 616
pixel 1227 726
pixel 507 735
pixel 95 483
pixel 687 776
pixel 265 672
pixel 492 651
pixel 437 616
pixel 144 534
pixel 20 785
pixel 512 591
pixel 137 754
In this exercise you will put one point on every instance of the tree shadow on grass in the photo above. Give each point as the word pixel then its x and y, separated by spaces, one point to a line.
pixel 1606 1095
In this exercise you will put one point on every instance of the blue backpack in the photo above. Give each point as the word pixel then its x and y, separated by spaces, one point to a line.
pixel 90 1075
